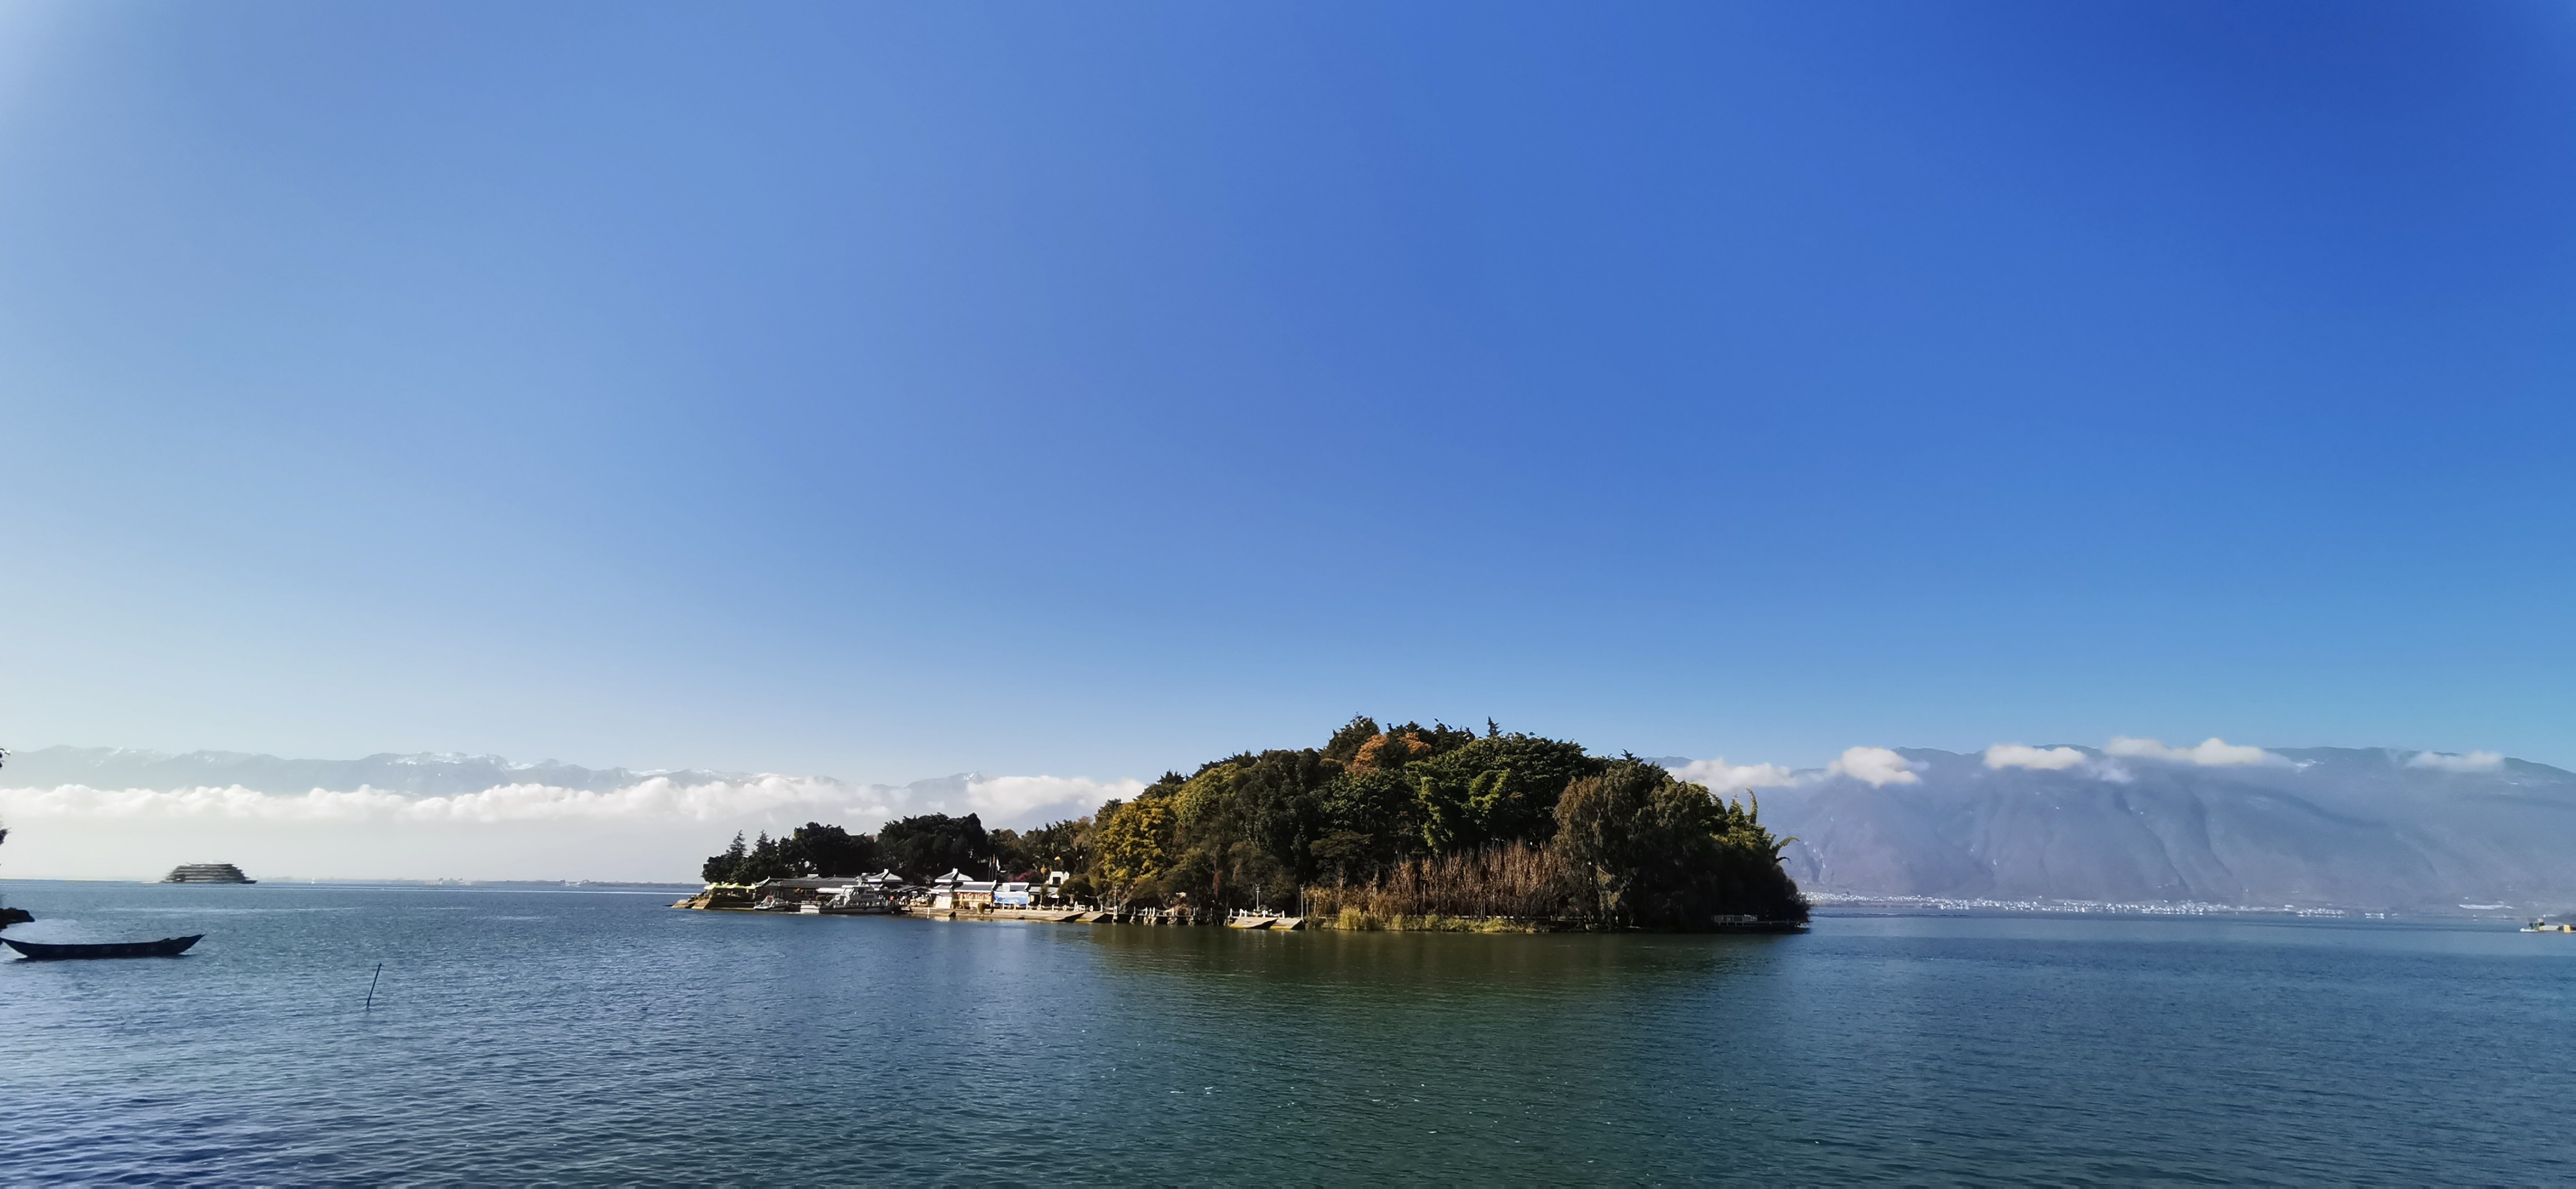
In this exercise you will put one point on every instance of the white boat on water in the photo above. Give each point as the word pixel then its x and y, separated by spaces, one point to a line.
pixel 858 900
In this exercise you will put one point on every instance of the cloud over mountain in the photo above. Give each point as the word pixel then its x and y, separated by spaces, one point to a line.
pixel 2047 759
pixel 2215 822
pixel 114 813
pixel 1875 766
pixel 2476 761
pixel 2134 820
pixel 1720 775
pixel 2212 752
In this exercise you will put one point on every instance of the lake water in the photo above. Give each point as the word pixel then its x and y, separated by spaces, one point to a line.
pixel 581 1036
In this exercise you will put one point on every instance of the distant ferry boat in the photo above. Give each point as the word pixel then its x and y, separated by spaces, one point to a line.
pixel 2542 925
pixel 206 873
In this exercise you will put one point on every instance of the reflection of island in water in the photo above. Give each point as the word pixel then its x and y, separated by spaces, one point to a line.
pixel 206 873
pixel 1408 965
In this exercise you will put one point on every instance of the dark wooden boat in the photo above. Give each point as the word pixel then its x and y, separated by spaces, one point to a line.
pixel 167 947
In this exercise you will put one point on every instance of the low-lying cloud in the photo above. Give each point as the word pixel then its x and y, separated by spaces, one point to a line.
pixel 1876 765
pixel 1002 800
pixel 652 800
pixel 1719 775
pixel 624 826
pixel 655 829
pixel 2046 759
pixel 2212 752
pixel 2475 761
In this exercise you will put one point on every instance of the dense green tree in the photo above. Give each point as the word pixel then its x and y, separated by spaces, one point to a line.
pixel 1345 744
pixel 1645 849
pixel 1396 747
pixel 1251 827
pixel 1010 855
pixel 1498 789
pixel 767 860
pixel 1374 818
pixel 932 844
pixel 1244 826
pixel 818 849
pixel 1060 846
pixel 720 868
pixel 813 849
pixel 1346 857
pixel 1135 840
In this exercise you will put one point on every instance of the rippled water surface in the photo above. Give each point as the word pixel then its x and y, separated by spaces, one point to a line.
pixel 589 1037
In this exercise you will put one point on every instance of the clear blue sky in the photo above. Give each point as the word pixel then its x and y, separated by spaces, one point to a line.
pixel 887 390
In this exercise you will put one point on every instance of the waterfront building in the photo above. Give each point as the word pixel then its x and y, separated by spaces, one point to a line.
pixel 955 890
pixel 802 887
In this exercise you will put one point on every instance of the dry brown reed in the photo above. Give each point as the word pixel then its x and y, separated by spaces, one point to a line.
pixel 1515 882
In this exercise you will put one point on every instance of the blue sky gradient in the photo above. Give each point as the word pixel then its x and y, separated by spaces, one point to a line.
pixel 888 390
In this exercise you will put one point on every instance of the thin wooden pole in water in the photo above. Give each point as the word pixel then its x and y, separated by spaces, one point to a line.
pixel 371 986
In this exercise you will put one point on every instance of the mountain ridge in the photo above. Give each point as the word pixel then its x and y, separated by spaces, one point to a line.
pixel 415 773
pixel 2369 828
pixel 2354 828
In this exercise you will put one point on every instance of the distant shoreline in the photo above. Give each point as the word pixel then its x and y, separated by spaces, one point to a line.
pixel 1842 904
pixel 521 885
pixel 1823 903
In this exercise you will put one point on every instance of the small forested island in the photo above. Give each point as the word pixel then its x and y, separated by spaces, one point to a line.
pixel 1404 827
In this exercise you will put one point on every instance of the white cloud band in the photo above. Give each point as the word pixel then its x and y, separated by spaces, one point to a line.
pixel 2476 761
pixel 654 829
pixel 2212 752
pixel 1720 776
pixel 2047 759
pixel 1003 800
pixel 1877 765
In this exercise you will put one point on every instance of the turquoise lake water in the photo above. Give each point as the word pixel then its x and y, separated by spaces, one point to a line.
pixel 580 1037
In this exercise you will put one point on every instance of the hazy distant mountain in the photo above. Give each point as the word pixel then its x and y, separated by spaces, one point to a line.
pixel 543 789
pixel 108 813
pixel 2328 827
pixel 427 774
pixel 2372 828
